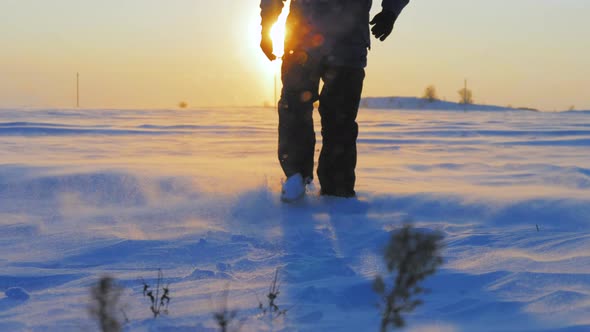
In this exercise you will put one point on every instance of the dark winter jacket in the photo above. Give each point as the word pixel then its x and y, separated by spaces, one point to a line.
pixel 335 29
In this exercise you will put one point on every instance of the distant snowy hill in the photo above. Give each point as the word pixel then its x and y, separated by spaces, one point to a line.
pixel 414 103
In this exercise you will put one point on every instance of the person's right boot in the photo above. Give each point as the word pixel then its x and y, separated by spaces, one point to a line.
pixel 293 188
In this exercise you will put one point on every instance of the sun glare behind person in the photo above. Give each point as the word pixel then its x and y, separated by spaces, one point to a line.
pixel 277 33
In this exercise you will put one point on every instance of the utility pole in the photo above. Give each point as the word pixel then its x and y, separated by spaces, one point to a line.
pixel 77 90
pixel 465 97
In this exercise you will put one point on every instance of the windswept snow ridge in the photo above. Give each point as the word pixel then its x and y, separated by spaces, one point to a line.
pixel 86 193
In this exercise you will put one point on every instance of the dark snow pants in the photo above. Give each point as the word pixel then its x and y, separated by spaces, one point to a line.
pixel 339 103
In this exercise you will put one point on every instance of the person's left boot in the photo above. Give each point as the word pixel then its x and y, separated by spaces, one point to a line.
pixel 293 188
pixel 338 193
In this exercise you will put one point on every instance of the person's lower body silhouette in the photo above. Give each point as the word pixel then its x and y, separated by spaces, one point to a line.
pixel 339 102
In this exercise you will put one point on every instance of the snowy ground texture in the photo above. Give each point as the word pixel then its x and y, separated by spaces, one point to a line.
pixel 84 193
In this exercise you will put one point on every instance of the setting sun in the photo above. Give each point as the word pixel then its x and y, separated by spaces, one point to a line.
pixel 277 32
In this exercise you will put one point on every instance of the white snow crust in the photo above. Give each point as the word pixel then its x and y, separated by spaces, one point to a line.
pixel 87 193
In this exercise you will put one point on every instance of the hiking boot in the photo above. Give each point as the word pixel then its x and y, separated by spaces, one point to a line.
pixel 338 193
pixel 293 188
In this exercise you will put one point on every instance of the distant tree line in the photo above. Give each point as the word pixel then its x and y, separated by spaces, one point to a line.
pixel 465 95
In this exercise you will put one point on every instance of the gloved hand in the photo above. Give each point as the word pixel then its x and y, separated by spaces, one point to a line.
pixel 266 44
pixel 383 24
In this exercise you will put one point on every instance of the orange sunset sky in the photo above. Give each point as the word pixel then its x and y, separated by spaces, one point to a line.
pixel 154 53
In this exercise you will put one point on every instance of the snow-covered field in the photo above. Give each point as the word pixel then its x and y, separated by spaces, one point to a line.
pixel 84 193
